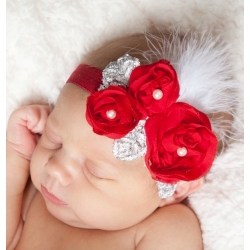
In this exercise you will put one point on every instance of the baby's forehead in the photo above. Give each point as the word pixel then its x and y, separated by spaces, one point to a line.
pixel 73 92
pixel 70 108
pixel 72 98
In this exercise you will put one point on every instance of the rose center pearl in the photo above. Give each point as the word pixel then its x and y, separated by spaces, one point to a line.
pixel 157 94
pixel 181 151
pixel 111 114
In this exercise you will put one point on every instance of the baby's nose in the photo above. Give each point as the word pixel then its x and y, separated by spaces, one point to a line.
pixel 59 170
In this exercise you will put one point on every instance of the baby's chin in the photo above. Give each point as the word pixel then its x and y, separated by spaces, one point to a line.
pixel 72 220
pixel 67 216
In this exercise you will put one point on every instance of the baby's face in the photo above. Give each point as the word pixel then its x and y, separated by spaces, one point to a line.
pixel 81 181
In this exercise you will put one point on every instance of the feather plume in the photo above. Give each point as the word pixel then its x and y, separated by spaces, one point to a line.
pixel 204 69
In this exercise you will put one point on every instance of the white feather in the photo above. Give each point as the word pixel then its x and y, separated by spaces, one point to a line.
pixel 204 69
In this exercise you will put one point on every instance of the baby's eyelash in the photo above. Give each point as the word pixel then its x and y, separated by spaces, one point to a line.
pixel 91 172
pixel 97 172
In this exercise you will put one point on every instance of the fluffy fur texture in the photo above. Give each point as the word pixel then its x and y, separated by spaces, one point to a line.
pixel 205 73
pixel 46 40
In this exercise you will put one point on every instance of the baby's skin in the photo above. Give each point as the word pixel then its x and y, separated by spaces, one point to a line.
pixel 66 190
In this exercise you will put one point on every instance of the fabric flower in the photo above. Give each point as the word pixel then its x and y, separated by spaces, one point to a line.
pixel 111 112
pixel 181 145
pixel 155 87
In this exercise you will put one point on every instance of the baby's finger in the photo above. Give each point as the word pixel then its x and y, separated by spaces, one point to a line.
pixel 37 118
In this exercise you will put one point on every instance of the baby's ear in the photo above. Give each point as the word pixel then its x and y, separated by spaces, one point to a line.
pixel 184 188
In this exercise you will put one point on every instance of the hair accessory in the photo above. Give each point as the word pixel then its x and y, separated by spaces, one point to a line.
pixel 118 72
pixel 165 190
pixel 137 107
pixel 131 146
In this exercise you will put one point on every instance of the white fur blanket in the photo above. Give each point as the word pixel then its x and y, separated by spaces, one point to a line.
pixel 47 39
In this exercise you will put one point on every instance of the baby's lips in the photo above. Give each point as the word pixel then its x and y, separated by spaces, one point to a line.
pixel 52 198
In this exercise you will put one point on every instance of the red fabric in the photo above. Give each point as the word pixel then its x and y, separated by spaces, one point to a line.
pixel 113 98
pixel 179 126
pixel 147 78
pixel 87 77
pixel 170 125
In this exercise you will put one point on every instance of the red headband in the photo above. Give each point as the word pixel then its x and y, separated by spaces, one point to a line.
pixel 180 143
pixel 86 77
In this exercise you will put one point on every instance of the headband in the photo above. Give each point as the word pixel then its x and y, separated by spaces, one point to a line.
pixel 138 107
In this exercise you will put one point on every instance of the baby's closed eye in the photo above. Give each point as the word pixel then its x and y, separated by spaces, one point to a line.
pixel 100 172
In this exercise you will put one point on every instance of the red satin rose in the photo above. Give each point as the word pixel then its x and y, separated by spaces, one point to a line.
pixel 111 112
pixel 145 80
pixel 180 127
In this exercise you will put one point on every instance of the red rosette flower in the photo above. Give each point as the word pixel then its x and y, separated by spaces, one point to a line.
pixel 111 112
pixel 181 145
pixel 155 87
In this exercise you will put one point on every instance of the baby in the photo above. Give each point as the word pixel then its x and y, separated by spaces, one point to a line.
pixel 133 133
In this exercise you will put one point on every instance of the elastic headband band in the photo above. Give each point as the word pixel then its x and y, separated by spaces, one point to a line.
pixel 86 77
pixel 138 107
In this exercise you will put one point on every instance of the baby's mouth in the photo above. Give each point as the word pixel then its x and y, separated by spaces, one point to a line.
pixel 51 197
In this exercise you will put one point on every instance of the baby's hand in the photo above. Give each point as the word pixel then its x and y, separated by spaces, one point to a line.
pixel 25 127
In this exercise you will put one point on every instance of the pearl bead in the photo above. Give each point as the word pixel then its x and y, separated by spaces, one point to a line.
pixel 181 151
pixel 157 94
pixel 111 114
